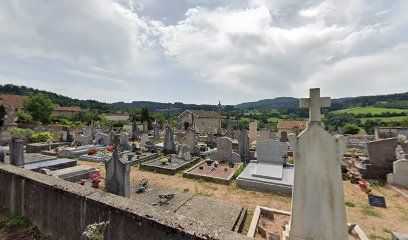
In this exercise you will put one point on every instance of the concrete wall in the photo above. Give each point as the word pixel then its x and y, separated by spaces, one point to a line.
pixel 64 209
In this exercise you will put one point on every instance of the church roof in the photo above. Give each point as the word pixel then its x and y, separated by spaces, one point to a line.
pixel 201 114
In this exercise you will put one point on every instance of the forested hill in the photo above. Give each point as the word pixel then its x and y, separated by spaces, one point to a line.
pixel 399 100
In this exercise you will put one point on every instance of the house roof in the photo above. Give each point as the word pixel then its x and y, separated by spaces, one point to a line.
pixel 66 109
pixel 14 101
pixel 288 124
pixel 201 114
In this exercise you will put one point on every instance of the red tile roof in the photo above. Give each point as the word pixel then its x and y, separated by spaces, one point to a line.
pixel 287 124
pixel 66 109
pixel 14 101
pixel 202 114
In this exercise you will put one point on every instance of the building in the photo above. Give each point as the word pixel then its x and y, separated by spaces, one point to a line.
pixel 12 103
pixel 199 120
pixel 288 126
pixel 117 117
pixel 390 132
pixel 68 112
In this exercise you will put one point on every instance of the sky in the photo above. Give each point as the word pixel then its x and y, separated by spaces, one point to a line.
pixel 203 51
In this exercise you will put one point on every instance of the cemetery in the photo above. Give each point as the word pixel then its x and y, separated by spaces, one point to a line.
pixel 281 183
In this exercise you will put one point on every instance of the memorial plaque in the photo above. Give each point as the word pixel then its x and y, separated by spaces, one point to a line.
pixel 376 201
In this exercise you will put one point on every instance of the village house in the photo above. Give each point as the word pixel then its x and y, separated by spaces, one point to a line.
pixel 200 120
pixel 67 112
pixel 288 126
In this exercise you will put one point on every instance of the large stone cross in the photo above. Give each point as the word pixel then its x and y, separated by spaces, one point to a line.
pixel 314 103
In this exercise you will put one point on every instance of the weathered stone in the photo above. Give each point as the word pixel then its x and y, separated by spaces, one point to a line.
pixel 191 139
pixel 243 146
pixel 318 185
pixel 156 132
pixel 400 173
pixel 145 126
pixel 230 130
pixel 117 173
pixel 169 145
pixel 143 139
pixel 102 139
pixel 381 154
pixel 253 131
pixel 263 135
pixel 224 151
pixel 17 152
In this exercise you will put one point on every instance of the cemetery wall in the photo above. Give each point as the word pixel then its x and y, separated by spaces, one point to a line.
pixel 63 210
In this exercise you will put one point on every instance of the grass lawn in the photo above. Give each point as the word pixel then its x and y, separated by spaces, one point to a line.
pixel 372 110
pixel 386 119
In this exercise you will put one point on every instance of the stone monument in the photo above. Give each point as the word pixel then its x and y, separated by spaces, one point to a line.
pixel 117 173
pixel 224 151
pixel 156 132
pixel 318 210
pixel 17 152
pixel 243 146
pixel 169 146
pixel 253 132
pixel 191 139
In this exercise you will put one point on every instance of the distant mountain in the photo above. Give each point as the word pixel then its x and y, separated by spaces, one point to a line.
pixel 280 102
pixel 398 100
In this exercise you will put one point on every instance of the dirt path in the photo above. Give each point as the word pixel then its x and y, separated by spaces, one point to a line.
pixel 377 223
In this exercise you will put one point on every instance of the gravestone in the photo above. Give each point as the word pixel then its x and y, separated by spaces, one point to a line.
pixel 17 152
pixel 84 139
pixel 145 126
pixel 124 142
pixel 143 139
pixel 169 146
pixel 268 173
pixel 264 135
pixel 318 186
pixel 253 132
pixel 381 154
pixel 243 146
pixel 224 151
pixel 102 139
pixel 156 132
pixel 191 139
pixel 283 136
pixel 179 126
pixel 184 152
pixel 271 151
pixel 117 172
pixel 272 135
pixel 399 176
pixel 230 130
pixel 135 131
pixel 70 136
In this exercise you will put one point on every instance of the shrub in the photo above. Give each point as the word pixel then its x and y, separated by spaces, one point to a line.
pixel 239 171
pixel 65 122
pixel 42 137
pixel 351 129
pixel 24 118
pixel 350 204
pixel 21 132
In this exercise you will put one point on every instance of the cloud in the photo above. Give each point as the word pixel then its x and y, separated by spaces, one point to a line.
pixel 201 51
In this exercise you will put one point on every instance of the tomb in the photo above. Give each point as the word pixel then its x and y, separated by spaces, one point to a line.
pixel 220 168
pixel 171 163
pixel 381 154
pixel 269 173
pixel 72 174
pixel 318 208
pixel 399 176
pixel 38 147
pixel 74 152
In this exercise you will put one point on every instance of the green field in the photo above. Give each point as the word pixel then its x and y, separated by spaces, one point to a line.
pixel 273 119
pixel 372 110
pixel 386 119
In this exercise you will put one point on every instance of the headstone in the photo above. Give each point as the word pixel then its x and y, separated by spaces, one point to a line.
pixel 253 132
pixel 84 139
pixel 184 152
pixel 224 151
pixel 400 173
pixel 143 139
pixel 124 138
pixel 284 136
pixel 179 126
pixel 145 126
pixel 17 152
pixel 271 151
pixel 70 136
pixel 318 185
pixel 135 131
pixel 169 145
pixel 102 139
pixel 191 139
pixel 156 132
pixel 243 146
pixel 264 135
pixel 117 173
pixel 381 154
pixel 230 130
pixel 272 135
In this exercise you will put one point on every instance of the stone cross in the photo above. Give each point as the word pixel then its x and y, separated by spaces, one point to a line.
pixel 314 103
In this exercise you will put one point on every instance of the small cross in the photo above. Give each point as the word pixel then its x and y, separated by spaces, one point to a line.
pixel 314 103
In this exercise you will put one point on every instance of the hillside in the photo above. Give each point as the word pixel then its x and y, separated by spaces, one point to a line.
pixel 280 102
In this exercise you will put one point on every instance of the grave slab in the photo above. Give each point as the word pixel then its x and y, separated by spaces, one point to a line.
pixel 223 174
pixel 176 164
pixel 38 147
pixel 52 165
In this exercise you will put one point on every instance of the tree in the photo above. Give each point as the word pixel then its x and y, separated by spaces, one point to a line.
pixel 351 129
pixel 40 108
pixel 24 118
pixel 160 118
pixel 145 116
pixel 86 117
pixel 2 114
